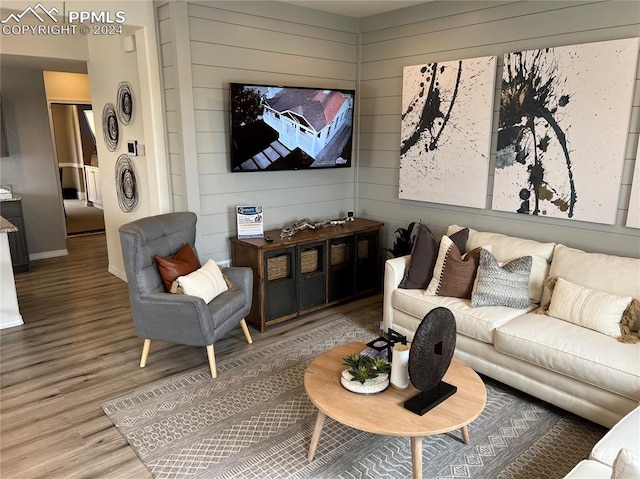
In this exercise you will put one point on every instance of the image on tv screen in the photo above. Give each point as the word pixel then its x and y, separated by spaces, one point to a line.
pixel 289 128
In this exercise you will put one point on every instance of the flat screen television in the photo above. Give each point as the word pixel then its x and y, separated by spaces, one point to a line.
pixel 275 128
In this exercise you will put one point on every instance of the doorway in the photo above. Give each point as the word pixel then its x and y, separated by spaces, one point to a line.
pixel 79 170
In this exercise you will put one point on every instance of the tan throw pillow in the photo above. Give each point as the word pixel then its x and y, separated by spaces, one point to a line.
pixel 589 308
pixel 183 262
pixel 206 282
pixel 453 275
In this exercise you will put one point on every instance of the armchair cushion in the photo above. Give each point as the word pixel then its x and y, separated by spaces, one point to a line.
pixel 185 261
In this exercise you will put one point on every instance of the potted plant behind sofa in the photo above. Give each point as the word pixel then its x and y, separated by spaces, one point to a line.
pixel 404 241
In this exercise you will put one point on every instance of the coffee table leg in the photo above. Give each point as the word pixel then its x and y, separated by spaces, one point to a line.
pixel 465 434
pixel 316 435
pixel 416 456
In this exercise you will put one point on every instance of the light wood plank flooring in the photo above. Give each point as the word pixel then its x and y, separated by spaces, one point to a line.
pixel 78 348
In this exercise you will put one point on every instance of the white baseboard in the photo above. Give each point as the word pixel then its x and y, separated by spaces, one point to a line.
pixel 48 254
pixel 10 320
pixel 117 273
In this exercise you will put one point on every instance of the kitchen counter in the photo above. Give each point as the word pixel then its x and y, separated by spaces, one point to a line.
pixel 6 226
pixel 9 312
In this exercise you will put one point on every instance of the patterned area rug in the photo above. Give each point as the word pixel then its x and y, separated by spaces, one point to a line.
pixel 255 421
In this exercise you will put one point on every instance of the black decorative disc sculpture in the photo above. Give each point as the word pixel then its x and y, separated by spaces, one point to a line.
pixel 429 358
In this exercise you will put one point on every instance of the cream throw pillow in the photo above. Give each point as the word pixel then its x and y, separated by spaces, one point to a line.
pixel 626 465
pixel 206 282
pixel 586 307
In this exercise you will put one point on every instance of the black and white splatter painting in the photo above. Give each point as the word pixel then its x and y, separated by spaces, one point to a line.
pixel 563 124
pixel 633 213
pixel 446 131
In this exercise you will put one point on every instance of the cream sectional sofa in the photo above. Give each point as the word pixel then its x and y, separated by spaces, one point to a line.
pixel 618 450
pixel 576 368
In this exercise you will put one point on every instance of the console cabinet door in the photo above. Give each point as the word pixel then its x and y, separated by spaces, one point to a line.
pixel 341 268
pixel 312 281
pixel 280 283
pixel 367 262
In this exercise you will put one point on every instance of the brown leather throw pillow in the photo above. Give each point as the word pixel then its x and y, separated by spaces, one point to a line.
pixel 458 274
pixel 182 263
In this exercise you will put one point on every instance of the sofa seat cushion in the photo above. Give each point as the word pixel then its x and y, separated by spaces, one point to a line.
pixel 626 433
pixel 574 351
pixel 478 323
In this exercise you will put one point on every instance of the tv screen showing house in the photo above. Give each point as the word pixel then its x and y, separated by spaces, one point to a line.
pixel 290 128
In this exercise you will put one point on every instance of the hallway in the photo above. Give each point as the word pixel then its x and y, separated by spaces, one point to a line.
pixel 81 219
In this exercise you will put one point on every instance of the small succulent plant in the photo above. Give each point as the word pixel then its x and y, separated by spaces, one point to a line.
pixel 363 367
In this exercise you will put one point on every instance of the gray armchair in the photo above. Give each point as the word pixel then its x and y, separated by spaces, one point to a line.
pixel 177 318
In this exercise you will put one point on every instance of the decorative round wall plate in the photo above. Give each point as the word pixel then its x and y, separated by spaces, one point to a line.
pixel 126 187
pixel 110 127
pixel 125 103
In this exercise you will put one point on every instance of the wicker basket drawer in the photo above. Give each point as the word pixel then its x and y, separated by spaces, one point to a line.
pixel 278 267
pixel 309 261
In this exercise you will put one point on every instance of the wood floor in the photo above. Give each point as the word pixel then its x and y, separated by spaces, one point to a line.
pixel 77 349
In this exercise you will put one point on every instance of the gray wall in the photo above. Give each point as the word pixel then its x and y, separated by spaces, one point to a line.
pixel 31 168
pixel 440 31
pixel 262 42
pixel 206 45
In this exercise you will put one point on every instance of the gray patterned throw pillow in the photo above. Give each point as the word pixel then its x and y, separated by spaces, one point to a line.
pixel 506 285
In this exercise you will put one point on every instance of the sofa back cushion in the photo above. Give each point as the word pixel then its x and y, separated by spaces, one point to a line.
pixel 507 248
pixel 611 274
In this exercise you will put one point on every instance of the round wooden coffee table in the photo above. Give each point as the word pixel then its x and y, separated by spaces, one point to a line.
pixel 384 413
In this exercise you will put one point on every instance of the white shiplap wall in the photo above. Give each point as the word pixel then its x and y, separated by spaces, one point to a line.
pixel 439 31
pixel 261 42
